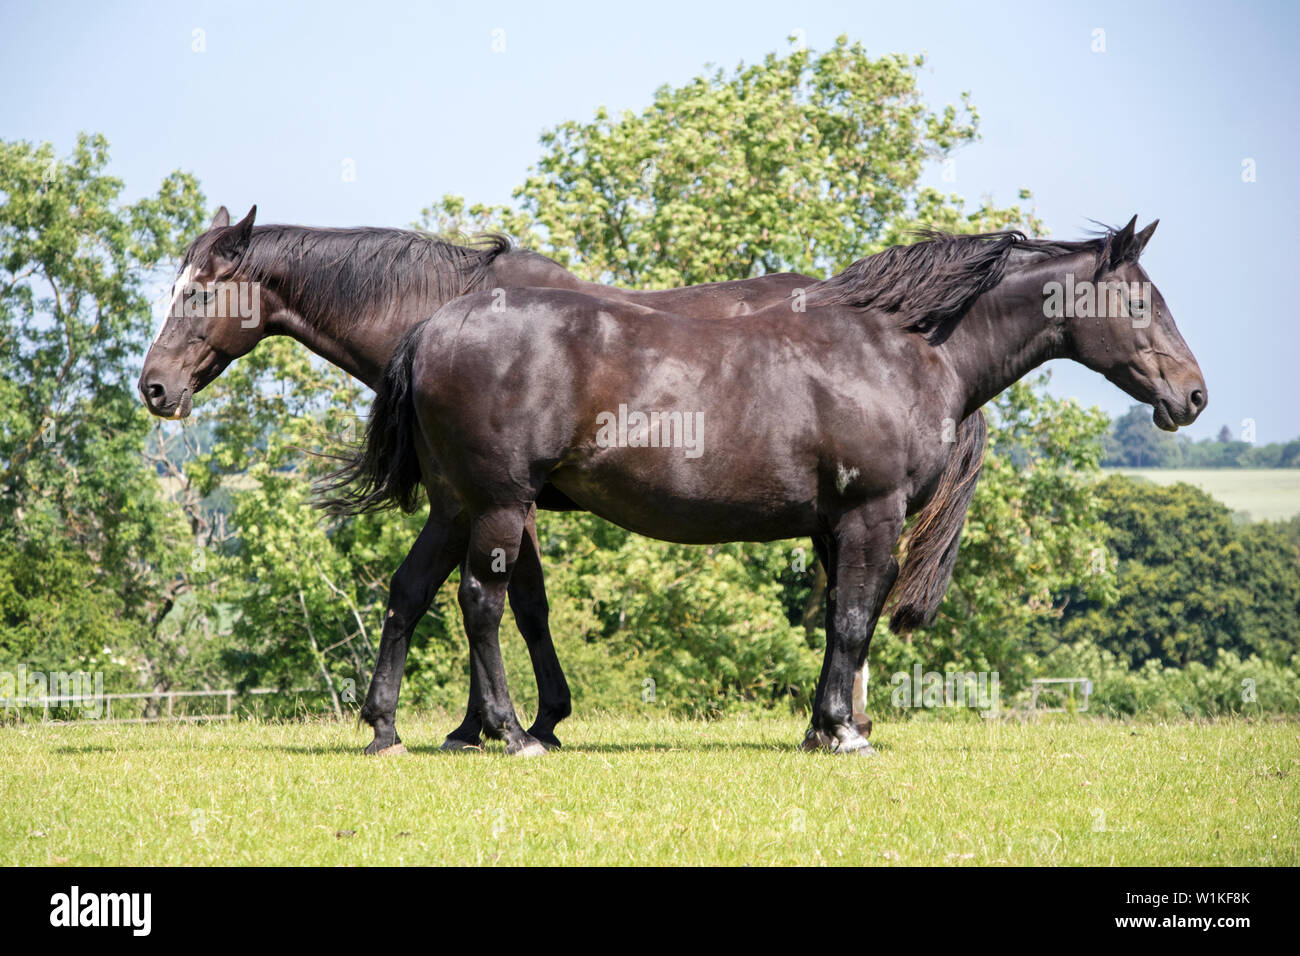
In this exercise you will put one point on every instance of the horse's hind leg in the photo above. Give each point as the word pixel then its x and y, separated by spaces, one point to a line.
pixel 436 551
pixel 865 569
pixel 527 595
pixel 527 592
pixel 494 546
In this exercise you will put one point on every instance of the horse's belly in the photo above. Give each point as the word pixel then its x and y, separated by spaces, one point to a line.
pixel 676 508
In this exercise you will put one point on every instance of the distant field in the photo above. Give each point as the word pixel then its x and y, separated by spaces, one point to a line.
pixel 654 791
pixel 1266 494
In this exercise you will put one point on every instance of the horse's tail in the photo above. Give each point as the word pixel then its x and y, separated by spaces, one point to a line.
pixel 934 538
pixel 386 469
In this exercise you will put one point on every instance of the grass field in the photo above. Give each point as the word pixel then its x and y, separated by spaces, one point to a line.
pixel 633 791
pixel 1266 494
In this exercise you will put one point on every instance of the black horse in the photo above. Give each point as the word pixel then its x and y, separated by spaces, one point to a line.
pixel 830 424
pixel 350 295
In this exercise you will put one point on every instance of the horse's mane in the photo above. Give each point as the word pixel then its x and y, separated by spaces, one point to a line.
pixel 929 285
pixel 340 273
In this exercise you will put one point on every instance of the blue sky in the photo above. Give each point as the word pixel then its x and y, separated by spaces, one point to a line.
pixel 414 94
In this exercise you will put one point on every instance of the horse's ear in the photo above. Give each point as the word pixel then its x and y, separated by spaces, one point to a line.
pixel 245 225
pixel 1121 244
pixel 221 220
pixel 1142 238
pixel 233 244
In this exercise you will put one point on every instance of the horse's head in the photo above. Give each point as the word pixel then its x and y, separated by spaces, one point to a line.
pixel 213 317
pixel 1128 333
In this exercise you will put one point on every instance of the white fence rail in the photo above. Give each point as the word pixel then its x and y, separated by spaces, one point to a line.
pixel 1039 684
pixel 85 701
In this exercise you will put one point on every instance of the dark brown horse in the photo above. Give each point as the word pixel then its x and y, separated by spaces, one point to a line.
pixel 350 295
pixel 830 424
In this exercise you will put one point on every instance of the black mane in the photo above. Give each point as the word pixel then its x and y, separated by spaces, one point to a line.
pixel 340 273
pixel 929 285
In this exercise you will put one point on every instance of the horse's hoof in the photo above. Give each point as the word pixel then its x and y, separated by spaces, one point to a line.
pixel 816 740
pixel 851 745
pixel 533 748
pixel 378 749
pixel 864 726
pixel 855 748
pixel 455 743
pixel 549 741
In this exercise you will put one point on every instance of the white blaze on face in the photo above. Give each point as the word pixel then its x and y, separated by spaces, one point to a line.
pixel 178 290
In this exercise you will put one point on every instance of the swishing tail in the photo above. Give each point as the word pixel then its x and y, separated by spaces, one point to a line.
pixel 934 538
pixel 386 470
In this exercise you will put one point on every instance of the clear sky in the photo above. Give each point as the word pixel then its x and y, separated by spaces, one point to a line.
pixel 416 97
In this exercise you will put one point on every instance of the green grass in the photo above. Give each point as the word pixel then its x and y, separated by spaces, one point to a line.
pixel 636 791
pixel 1266 494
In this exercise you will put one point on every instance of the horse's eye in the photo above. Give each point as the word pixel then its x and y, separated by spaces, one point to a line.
pixel 1138 305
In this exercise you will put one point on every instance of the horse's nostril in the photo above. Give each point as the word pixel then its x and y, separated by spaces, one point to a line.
pixel 1197 399
pixel 154 392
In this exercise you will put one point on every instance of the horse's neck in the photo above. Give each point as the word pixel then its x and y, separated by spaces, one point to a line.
pixel 359 342
pixel 1006 334
pixel 362 343
pixel 344 344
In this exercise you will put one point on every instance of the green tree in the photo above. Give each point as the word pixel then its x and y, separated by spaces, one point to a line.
pixel 1190 581
pixel 91 554
pixel 803 162
pixel 1134 442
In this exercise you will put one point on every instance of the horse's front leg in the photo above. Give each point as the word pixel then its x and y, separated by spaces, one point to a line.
pixel 436 551
pixel 822 545
pixel 865 569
